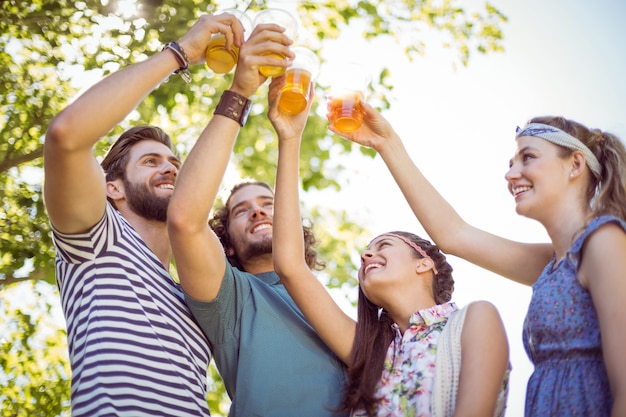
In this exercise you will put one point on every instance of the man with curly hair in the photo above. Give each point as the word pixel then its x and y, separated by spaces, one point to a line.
pixel 272 361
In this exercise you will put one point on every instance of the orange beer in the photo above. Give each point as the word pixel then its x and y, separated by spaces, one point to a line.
pixel 294 95
pixel 281 18
pixel 271 71
pixel 218 58
pixel 346 114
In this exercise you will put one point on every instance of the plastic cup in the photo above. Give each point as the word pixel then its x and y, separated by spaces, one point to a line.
pixel 347 91
pixel 294 94
pixel 219 59
pixel 281 18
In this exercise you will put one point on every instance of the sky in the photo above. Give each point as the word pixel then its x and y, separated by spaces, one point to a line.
pixel 562 57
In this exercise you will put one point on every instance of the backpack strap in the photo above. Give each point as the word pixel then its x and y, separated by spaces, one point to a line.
pixel 448 366
pixel 448 370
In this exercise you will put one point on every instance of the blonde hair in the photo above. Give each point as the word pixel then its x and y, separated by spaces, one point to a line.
pixel 606 194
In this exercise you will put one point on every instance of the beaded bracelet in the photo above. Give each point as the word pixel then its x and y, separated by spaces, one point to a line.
pixel 181 58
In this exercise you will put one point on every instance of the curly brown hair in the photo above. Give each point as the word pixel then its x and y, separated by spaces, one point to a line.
pixel 374 332
pixel 219 224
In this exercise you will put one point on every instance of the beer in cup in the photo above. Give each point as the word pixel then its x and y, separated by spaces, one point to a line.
pixel 347 91
pixel 294 94
pixel 284 19
pixel 219 59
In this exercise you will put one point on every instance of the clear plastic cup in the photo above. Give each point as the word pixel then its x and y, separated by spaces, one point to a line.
pixel 219 59
pixel 294 94
pixel 282 18
pixel 348 84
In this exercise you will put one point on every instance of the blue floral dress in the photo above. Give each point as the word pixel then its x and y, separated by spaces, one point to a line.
pixel 562 339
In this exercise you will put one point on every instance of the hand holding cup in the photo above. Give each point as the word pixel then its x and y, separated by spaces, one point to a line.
pixel 219 59
pixel 281 18
pixel 294 93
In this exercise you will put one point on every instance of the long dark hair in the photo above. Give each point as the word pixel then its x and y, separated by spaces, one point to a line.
pixel 374 333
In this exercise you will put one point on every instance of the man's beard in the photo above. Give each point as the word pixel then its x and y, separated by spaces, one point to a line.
pixel 252 250
pixel 145 203
pixel 257 249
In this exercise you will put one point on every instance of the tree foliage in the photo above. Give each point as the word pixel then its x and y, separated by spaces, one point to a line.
pixel 34 368
pixel 47 49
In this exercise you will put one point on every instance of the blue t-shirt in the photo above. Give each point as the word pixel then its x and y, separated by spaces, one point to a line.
pixel 272 361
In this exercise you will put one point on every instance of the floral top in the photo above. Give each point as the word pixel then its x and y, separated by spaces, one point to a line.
pixel 406 384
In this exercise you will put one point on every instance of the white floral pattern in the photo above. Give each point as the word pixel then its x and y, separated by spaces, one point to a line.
pixel 406 384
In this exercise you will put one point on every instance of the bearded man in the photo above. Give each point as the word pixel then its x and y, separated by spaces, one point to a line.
pixel 135 348
pixel 272 361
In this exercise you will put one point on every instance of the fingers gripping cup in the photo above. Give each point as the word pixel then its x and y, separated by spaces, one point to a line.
pixel 281 18
pixel 219 59
pixel 348 85
pixel 294 94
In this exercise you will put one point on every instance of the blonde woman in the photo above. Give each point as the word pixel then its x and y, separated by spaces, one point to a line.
pixel 572 180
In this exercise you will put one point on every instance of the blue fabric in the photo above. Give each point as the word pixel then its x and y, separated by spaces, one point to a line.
pixel 562 339
pixel 272 361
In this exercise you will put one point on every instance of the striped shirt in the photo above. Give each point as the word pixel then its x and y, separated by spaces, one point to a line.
pixel 134 348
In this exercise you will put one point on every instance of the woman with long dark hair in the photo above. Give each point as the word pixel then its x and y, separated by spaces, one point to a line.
pixel 411 352
pixel 572 180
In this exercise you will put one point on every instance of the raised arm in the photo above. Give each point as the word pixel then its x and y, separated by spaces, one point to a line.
pixel 484 360
pixel 602 271
pixel 74 187
pixel 197 250
pixel 517 261
pixel 334 327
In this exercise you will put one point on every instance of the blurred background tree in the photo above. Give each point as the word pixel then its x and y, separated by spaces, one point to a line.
pixel 50 50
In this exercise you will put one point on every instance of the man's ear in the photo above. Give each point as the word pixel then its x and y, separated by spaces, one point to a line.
pixel 115 190
pixel 230 251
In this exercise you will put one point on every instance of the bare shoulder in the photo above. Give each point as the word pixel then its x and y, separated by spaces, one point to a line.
pixel 608 233
pixel 481 309
pixel 603 257
pixel 482 318
pixel 483 330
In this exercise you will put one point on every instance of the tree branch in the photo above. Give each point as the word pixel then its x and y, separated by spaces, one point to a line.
pixel 9 163
pixel 10 279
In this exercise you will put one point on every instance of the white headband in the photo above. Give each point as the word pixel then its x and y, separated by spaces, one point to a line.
pixel 559 137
